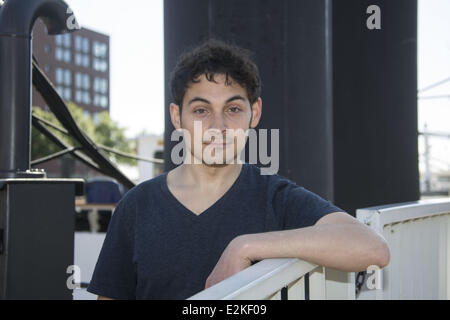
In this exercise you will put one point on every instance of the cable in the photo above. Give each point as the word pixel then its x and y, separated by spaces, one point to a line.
pixel 128 155
pixel 435 85
pixel 61 144
pixel 54 155
pixel 103 147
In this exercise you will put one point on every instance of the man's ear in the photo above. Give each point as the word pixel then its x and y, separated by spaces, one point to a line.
pixel 256 113
pixel 175 115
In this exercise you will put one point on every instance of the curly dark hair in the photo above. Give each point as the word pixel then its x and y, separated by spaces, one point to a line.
pixel 215 57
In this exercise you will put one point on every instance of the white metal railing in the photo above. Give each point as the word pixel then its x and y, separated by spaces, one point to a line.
pixel 418 235
pixel 266 279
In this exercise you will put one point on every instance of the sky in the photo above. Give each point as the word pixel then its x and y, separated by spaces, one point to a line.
pixel 136 58
pixel 434 66
pixel 137 65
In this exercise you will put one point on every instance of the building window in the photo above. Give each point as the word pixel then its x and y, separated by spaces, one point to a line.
pixel 59 75
pixel 78 96
pixel 86 61
pixel 83 85
pixel 86 45
pixel 86 97
pixel 63 79
pixel 63 44
pixel 78 59
pixel 59 54
pixel 100 85
pixel 82 46
pixel 100 101
pixel 67 40
pixel 100 62
pixel 67 94
pixel 67 77
pixel 82 60
pixel 78 43
pixel 100 65
pixel 82 81
pixel 86 82
pixel 59 40
pixel 100 49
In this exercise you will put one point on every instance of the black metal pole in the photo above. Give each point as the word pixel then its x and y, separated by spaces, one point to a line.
pixel 17 18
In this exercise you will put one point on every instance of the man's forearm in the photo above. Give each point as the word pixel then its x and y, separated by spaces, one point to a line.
pixel 346 246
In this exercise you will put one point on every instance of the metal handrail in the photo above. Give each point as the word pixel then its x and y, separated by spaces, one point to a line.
pixel 259 281
pixel 379 216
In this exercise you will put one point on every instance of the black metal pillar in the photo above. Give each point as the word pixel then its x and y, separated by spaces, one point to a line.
pixel 291 41
pixel 375 104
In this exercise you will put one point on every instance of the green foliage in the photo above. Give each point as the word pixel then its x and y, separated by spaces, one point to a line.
pixel 106 132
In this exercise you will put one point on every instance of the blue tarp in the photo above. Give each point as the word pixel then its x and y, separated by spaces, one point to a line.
pixel 103 191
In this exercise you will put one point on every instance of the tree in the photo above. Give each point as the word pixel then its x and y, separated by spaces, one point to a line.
pixel 105 132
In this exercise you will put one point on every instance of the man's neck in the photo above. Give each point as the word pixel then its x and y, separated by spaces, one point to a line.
pixel 207 177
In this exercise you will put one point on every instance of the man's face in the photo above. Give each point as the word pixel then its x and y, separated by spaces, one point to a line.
pixel 217 117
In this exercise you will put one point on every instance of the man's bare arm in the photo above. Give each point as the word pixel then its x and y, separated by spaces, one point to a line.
pixel 104 298
pixel 337 241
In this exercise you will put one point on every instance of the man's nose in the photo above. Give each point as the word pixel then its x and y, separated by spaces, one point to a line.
pixel 217 128
pixel 218 123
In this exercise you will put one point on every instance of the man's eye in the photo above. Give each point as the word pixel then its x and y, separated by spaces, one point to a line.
pixel 235 109
pixel 200 111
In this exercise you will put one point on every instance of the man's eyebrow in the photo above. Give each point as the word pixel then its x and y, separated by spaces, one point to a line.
pixel 198 99
pixel 236 97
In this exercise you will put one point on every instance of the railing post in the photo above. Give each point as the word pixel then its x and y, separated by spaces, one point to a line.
pixel 296 290
pixel 317 285
pixel 340 285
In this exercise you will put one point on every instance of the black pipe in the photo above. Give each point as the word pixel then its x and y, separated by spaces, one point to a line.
pixel 17 18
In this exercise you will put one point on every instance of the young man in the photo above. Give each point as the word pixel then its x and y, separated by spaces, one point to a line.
pixel 185 230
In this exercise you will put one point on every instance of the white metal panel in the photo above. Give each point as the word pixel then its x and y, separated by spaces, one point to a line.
pixel 340 285
pixel 317 285
pixel 296 290
pixel 418 237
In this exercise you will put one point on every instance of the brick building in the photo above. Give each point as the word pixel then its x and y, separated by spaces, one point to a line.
pixel 77 64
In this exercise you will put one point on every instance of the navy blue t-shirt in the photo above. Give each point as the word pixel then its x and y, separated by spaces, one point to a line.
pixel 156 248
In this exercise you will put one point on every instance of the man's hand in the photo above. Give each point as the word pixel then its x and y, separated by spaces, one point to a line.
pixel 233 260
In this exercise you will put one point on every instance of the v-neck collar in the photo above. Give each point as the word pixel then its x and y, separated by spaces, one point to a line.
pixel 189 213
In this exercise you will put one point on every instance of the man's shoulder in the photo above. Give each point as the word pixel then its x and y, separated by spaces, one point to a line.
pixel 263 176
pixel 143 190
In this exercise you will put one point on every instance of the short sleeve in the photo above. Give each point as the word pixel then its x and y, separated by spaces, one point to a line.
pixel 115 273
pixel 299 207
